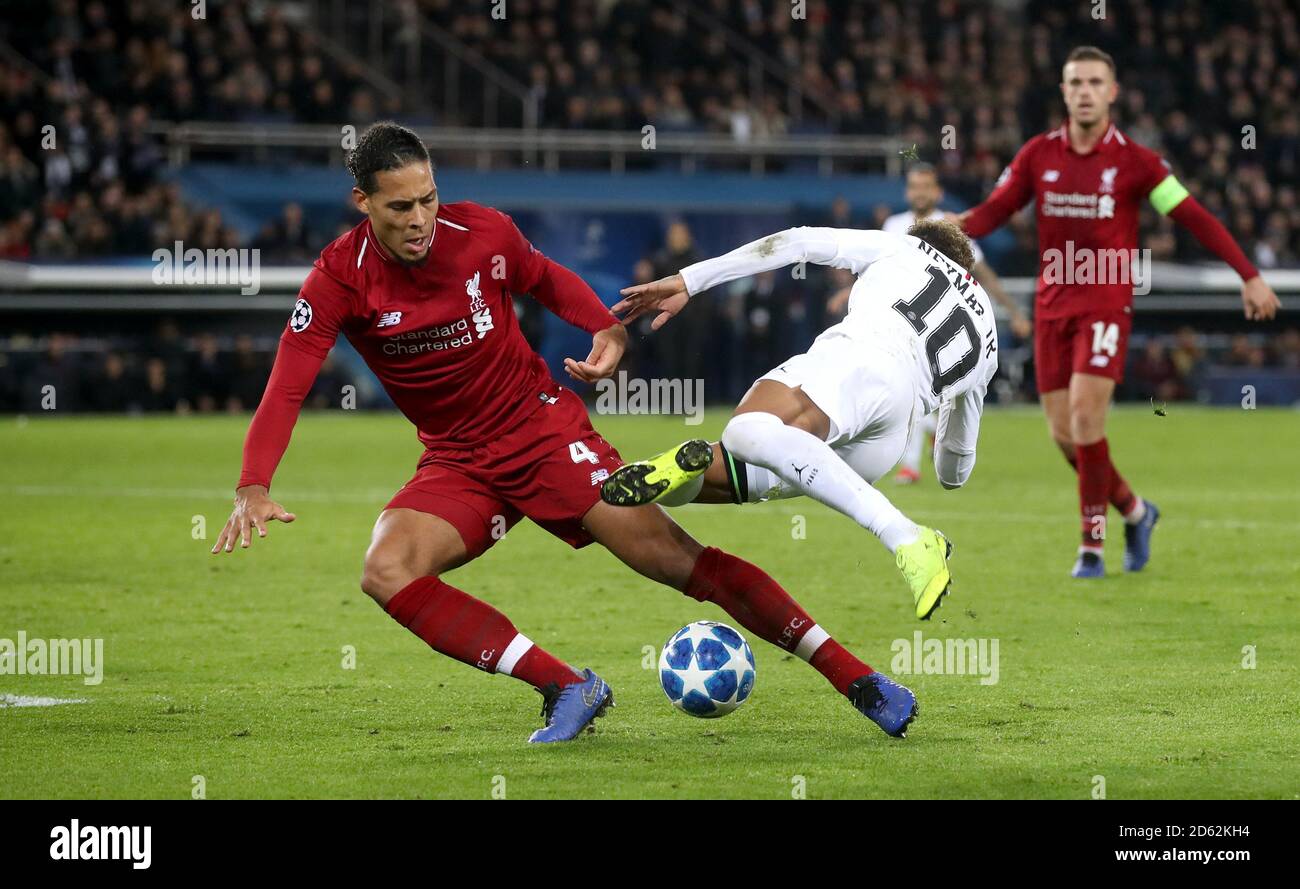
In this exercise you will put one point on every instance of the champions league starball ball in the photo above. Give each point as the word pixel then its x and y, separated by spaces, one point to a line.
pixel 707 669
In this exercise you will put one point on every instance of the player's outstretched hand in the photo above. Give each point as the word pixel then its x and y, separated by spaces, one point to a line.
pixel 1021 326
pixel 253 509
pixel 957 219
pixel 1259 299
pixel 607 347
pixel 668 295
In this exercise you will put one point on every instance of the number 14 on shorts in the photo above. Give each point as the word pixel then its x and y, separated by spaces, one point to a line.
pixel 1105 338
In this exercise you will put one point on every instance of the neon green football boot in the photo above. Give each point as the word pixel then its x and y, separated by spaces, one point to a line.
pixel 924 564
pixel 648 481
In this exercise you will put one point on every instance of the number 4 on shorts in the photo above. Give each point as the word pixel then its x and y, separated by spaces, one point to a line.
pixel 580 452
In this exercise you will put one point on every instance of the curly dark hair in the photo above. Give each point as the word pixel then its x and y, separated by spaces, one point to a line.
pixel 384 146
pixel 947 238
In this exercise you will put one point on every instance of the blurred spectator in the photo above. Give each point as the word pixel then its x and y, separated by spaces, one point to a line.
pixel 287 239
pixel 159 393
pixel 1155 375
pixel 683 352
pixel 111 389
pixel 1188 354
pixel 1245 352
pixel 55 382
pixel 1287 347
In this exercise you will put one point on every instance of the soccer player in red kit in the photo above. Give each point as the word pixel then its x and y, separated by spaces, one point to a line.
pixel 1088 179
pixel 423 291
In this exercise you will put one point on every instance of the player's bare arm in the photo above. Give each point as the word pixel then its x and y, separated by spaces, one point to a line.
pixel 669 295
pixel 254 509
pixel 1259 302
pixel 989 280
pixel 839 301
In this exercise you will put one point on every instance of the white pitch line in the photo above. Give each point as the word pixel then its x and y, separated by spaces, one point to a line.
pixel 24 701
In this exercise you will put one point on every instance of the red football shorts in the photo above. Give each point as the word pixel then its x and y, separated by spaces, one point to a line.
pixel 1095 343
pixel 549 468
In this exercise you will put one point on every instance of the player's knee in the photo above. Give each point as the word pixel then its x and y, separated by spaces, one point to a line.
pixel 744 433
pixel 384 573
pixel 1086 425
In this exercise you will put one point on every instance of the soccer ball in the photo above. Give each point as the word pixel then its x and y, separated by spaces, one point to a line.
pixel 707 669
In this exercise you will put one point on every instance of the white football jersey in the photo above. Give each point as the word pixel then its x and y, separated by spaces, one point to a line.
pixel 910 300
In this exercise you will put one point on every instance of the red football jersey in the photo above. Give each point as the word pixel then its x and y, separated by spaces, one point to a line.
pixel 1086 204
pixel 442 337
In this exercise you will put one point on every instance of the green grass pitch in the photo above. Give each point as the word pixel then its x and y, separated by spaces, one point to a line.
pixel 231 668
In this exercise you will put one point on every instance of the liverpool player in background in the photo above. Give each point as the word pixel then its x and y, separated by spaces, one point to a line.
pixel 423 291
pixel 1088 179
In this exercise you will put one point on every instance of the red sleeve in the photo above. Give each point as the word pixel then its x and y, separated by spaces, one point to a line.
pixel 1153 169
pixel 268 434
pixel 553 285
pixel 318 316
pixel 1193 216
pixel 1014 189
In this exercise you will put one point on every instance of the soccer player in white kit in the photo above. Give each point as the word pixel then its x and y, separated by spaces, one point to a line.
pixel 923 193
pixel 919 336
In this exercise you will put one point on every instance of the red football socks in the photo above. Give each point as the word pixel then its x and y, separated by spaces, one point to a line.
pixel 1094 491
pixel 1120 494
pixel 470 630
pixel 760 605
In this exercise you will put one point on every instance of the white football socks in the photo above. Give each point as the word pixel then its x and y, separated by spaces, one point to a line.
pixel 1137 513
pixel 809 465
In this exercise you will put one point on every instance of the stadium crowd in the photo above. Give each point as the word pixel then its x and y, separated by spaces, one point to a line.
pixel 198 371
pixel 911 67
pixel 101 75
pixel 900 67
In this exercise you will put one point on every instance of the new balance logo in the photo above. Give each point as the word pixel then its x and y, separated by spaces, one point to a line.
pixel 599 476
pixel 389 319
pixel 1051 175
